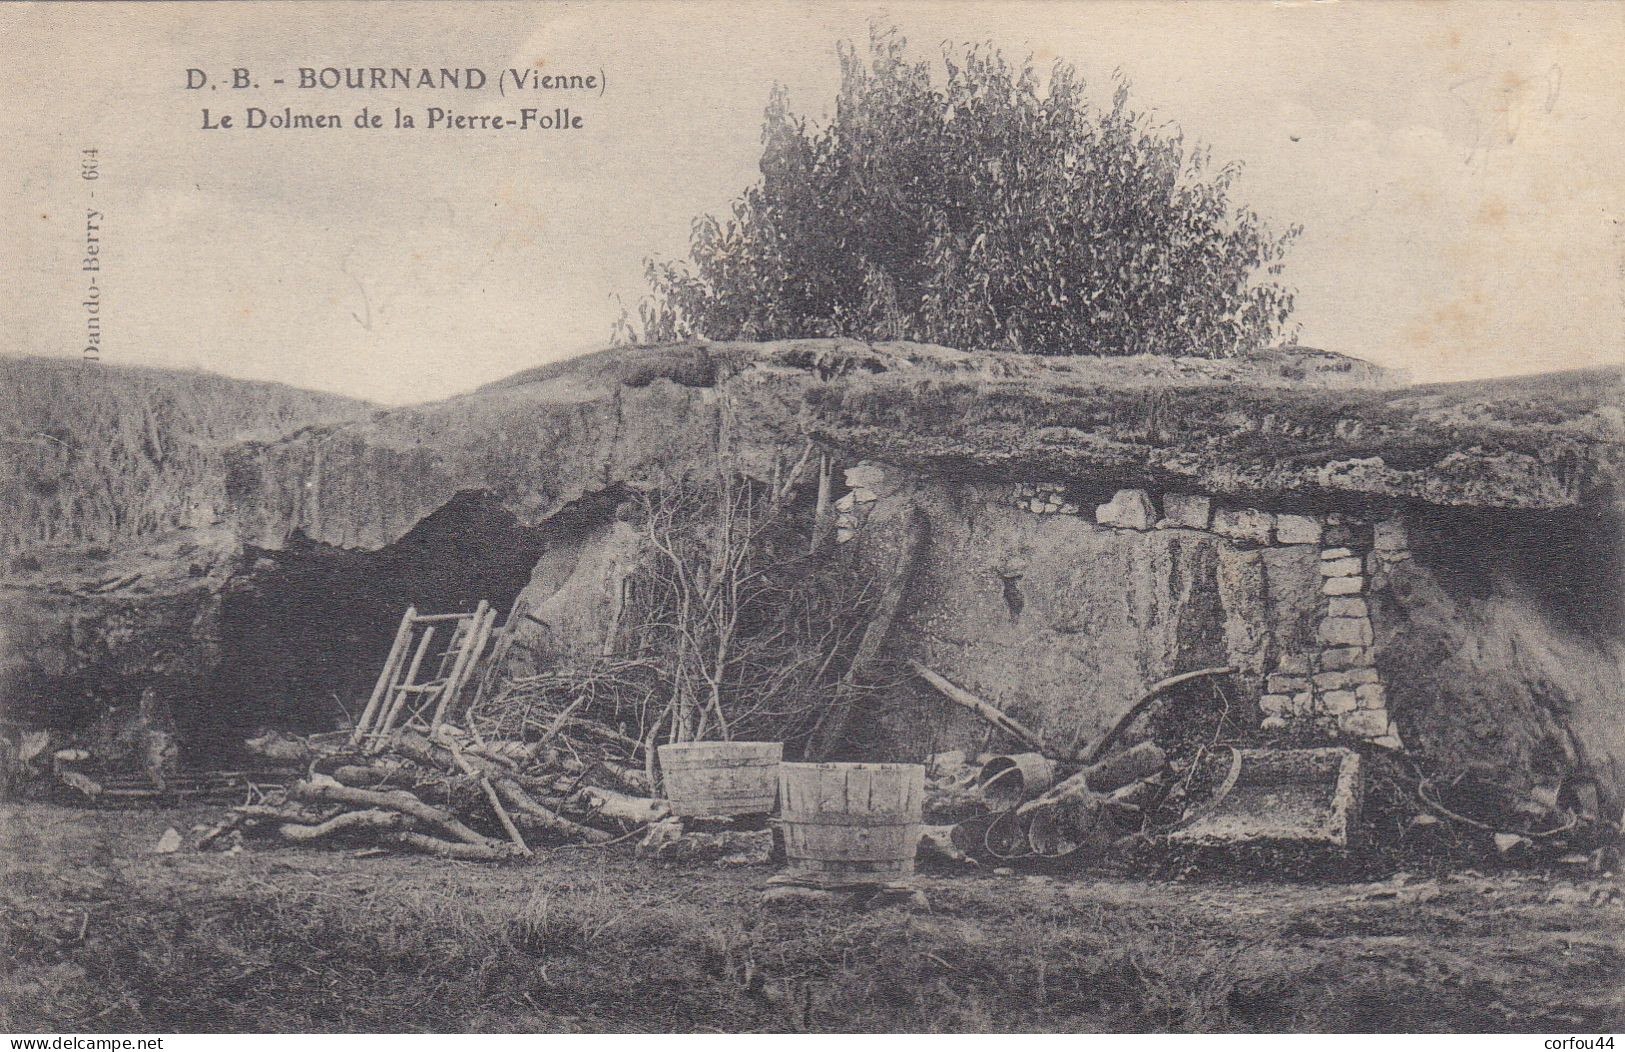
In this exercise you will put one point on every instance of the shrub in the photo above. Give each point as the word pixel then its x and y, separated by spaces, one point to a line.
pixel 974 210
pixel 735 624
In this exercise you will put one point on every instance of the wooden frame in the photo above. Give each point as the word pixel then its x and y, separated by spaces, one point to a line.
pixel 400 698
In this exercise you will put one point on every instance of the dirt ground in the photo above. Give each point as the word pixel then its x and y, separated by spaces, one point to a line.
pixel 98 932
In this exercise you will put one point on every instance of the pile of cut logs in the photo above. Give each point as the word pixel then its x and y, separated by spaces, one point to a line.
pixel 451 795
pixel 1078 818
pixel 1047 803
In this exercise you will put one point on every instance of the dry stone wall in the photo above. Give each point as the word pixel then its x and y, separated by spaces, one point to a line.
pixel 1336 687
pixel 1312 666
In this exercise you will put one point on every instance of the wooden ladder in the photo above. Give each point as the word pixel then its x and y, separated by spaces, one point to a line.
pixel 400 698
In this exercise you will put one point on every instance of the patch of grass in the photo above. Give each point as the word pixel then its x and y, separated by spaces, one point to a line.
pixel 281 939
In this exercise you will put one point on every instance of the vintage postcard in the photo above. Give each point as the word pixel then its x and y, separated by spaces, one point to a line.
pixel 811 517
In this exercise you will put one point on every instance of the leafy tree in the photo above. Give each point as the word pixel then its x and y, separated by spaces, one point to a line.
pixel 976 211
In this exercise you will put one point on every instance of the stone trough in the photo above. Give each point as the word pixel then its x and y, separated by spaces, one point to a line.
pixel 1290 796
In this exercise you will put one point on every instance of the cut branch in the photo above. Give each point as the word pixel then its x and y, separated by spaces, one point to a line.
pixel 530 812
pixel 491 851
pixel 960 696
pixel 390 800
pixel 372 819
pixel 633 810
pixel 496 802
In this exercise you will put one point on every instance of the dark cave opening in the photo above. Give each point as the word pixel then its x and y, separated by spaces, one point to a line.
pixel 304 634
pixel 1567 562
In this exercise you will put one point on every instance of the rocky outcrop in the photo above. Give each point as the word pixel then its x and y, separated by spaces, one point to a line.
pixel 82 633
pixel 1298 425
pixel 575 596
pixel 1097 524
pixel 1285 428
pixel 1063 620
pixel 364 485
pixel 94 455
pixel 1508 655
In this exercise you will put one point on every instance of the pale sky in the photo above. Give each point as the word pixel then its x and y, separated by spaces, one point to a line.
pixel 1459 168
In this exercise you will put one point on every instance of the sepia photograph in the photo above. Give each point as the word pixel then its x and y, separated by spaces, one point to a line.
pixel 708 517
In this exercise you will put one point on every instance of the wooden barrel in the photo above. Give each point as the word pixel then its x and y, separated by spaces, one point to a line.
pixel 721 779
pixel 850 822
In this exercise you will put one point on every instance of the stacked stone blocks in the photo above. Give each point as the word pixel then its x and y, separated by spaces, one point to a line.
pixel 1338 687
pixel 1044 498
pixel 1334 688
